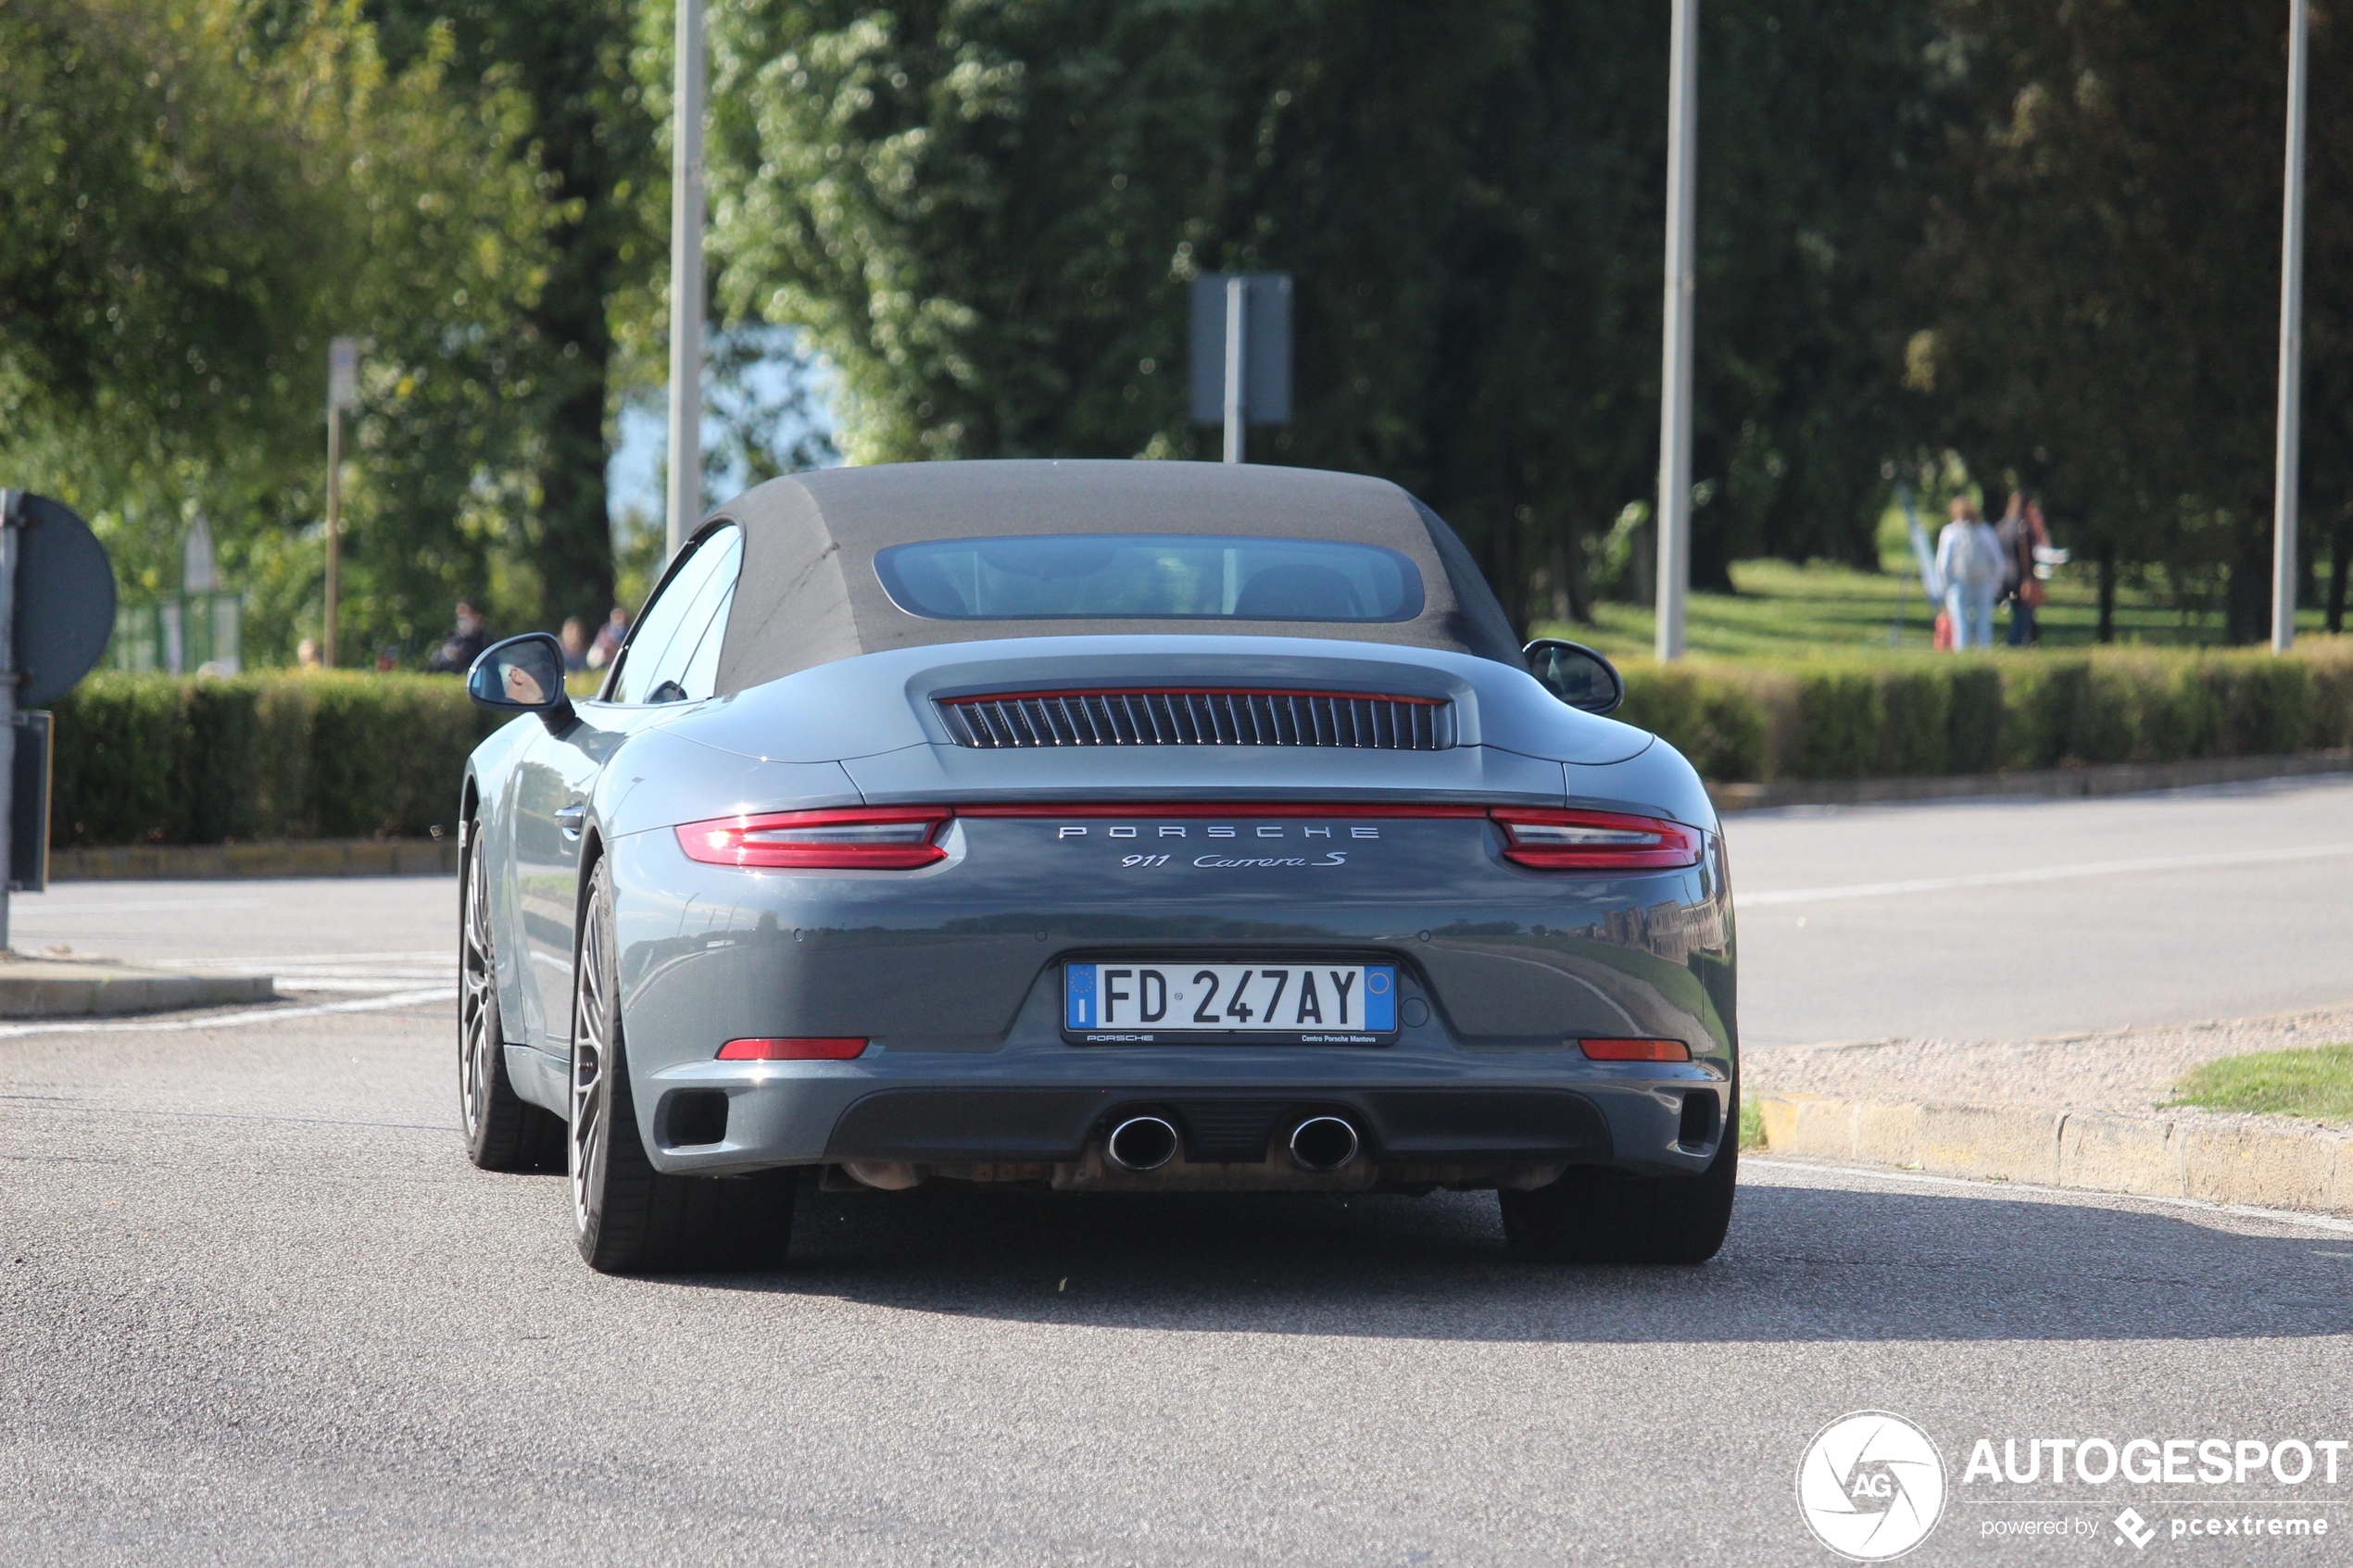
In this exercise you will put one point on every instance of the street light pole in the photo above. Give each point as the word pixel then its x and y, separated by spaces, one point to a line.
pixel 334 532
pixel 686 279
pixel 2283 475
pixel 1675 381
pixel 342 392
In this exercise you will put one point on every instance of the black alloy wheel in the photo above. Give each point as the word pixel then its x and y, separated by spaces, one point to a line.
pixel 1597 1216
pixel 627 1217
pixel 504 1132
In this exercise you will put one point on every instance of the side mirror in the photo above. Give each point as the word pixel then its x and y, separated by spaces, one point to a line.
pixel 1575 674
pixel 523 674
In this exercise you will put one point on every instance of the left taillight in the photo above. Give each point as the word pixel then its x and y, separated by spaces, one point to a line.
pixel 1577 841
pixel 891 838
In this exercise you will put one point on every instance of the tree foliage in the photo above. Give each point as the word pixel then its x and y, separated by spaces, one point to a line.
pixel 2099 275
pixel 987 215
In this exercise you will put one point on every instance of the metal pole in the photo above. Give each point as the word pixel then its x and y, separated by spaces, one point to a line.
pixel 2284 476
pixel 1675 381
pixel 334 530
pixel 686 279
pixel 1237 295
pixel 10 501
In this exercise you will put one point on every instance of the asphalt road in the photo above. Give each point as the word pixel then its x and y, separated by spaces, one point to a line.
pixel 2020 919
pixel 255 1307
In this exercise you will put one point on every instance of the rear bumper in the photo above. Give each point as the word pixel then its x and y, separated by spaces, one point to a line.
pixel 1230 1107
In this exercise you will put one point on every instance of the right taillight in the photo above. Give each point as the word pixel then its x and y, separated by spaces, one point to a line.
pixel 1597 841
pixel 846 839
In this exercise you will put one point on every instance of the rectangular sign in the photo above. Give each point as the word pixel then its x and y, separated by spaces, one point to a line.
pixel 343 372
pixel 1265 348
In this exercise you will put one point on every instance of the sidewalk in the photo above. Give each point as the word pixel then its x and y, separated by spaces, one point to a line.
pixel 2081 1112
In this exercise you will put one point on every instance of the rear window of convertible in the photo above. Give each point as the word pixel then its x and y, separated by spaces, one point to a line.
pixel 1148 577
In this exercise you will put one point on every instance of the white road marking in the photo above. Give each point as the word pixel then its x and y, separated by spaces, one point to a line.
pixel 266 961
pixel 2035 873
pixel 30 911
pixel 229 1020
pixel 2242 1210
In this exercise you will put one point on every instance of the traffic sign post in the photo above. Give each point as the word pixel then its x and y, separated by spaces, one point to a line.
pixel 1240 343
pixel 56 611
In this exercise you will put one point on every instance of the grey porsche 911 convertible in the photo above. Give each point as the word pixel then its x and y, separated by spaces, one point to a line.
pixel 1112 827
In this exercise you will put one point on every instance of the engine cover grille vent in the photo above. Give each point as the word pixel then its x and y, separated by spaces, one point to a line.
pixel 1199 716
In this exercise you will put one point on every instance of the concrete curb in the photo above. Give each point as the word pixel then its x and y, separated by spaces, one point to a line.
pixel 2116 778
pixel 294 857
pixel 2269 1163
pixel 42 989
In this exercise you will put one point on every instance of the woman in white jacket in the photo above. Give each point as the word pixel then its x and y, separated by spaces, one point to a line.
pixel 1968 558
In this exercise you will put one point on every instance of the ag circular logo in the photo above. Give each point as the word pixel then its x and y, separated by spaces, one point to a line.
pixel 1871 1486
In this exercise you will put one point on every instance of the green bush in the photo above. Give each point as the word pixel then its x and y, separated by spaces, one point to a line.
pixel 1850 718
pixel 154 759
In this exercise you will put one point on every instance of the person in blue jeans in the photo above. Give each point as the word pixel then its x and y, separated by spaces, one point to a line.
pixel 1969 558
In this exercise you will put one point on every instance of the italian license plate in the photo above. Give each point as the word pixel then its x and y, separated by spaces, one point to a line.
pixel 1147 1000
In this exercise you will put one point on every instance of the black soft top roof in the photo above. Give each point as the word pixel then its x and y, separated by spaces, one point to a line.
pixel 808 593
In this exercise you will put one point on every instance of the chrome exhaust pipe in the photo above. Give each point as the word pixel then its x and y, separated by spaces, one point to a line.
pixel 1323 1144
pixel 1141 1143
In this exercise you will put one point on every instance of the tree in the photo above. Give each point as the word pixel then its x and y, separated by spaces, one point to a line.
pixel 2102 261
pixel 580 125
pixel 988 216
pixel 198 195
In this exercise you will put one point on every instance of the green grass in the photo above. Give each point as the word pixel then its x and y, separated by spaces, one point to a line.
pixel 1780 610
pixel 2316 1082
pixel 1752 1124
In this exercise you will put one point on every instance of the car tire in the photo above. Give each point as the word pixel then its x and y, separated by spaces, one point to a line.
pixel 1597 1216
pixel 503 1131
pixel 628 1217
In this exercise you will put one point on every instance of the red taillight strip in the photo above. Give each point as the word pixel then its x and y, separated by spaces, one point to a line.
pixel 905 837
pixel 902 839
pixel 1221 809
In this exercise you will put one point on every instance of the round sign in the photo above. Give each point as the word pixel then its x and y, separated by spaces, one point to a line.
pixel 1871 1486
pixel 65 598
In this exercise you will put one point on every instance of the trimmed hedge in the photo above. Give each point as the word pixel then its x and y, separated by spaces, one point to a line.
pixel 1849 718
pixel 156 759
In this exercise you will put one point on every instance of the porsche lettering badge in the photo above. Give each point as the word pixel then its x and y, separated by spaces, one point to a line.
pixel 1179 830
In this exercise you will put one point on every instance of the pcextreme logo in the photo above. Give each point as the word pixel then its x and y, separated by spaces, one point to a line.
pixel 1871 1486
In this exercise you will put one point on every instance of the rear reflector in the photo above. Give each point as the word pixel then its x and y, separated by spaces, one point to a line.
pixel 1581 841
pixel 883 838
pixel 1630 1050
pixel 801 1048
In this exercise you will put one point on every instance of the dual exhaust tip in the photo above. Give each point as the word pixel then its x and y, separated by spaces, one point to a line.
pixel 1319 1144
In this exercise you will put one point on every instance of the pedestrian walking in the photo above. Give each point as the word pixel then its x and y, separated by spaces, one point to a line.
pixel 2034 551
pixel 2014 533
pixel 1969 558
